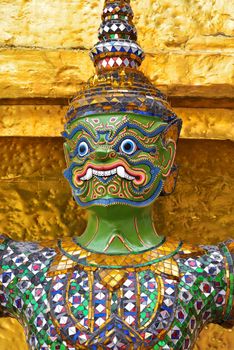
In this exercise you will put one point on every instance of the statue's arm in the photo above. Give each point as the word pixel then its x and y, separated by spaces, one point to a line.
pixel 19 264
pixel 15 260
pixel 227 250
pixel 5 273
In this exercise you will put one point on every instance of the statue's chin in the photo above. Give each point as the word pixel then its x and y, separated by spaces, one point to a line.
pixel 109 201
pixel 103 201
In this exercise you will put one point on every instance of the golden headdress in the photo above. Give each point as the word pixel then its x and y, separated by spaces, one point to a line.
pixel 118 86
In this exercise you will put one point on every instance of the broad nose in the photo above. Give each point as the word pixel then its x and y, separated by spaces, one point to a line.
pixel 103 153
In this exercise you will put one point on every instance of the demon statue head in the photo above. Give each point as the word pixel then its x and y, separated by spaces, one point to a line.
pixel 120 131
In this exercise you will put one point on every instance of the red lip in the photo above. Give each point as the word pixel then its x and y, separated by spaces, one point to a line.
pixel 139 175
pixel 100 167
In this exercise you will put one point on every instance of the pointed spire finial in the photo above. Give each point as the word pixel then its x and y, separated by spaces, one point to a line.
pixel 118 85
pixel 117 47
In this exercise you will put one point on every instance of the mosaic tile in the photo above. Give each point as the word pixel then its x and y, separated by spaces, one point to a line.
pixel 75 308
pixel 67 297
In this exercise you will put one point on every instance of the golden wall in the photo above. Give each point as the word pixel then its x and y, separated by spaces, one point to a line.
pixel 44 60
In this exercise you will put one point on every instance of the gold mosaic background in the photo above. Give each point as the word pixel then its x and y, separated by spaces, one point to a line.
pixel 43 61
pixel 188 45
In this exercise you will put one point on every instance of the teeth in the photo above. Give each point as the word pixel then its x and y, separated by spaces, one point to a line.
pixel 88 175
pixel 120 171
pixel 128 177
pixel 104 173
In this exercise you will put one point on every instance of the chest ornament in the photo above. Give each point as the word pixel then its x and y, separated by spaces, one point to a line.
pixel 96 306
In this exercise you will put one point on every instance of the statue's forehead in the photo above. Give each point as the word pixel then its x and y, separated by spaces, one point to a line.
pixel 114 121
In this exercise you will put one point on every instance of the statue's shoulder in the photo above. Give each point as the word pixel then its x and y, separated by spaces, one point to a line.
pixel 13 250
pixel 23 265
pixel 203 259
pixel 189 250
pixel 50 254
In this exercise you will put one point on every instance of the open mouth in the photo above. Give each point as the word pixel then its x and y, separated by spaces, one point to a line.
pixel 120 171
pixel 138 177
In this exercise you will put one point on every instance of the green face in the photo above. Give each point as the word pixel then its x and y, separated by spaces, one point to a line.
pixel 117 159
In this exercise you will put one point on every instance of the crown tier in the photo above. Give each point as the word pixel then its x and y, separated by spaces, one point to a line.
pixel 117 47
pixel 118 86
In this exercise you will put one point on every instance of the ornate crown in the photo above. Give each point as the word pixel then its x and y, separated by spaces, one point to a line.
pixel 118 85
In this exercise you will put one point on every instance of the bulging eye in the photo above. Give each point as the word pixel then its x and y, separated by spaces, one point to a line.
pixel 83 149
pixel 128 146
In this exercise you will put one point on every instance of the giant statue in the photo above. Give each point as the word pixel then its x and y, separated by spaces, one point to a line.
pixel 120 285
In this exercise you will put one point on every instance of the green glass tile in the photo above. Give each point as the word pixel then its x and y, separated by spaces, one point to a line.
pixel 161 343
pixel 5 267
pixel 200 270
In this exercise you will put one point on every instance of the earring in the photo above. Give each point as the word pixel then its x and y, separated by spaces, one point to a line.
pixel 170 181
